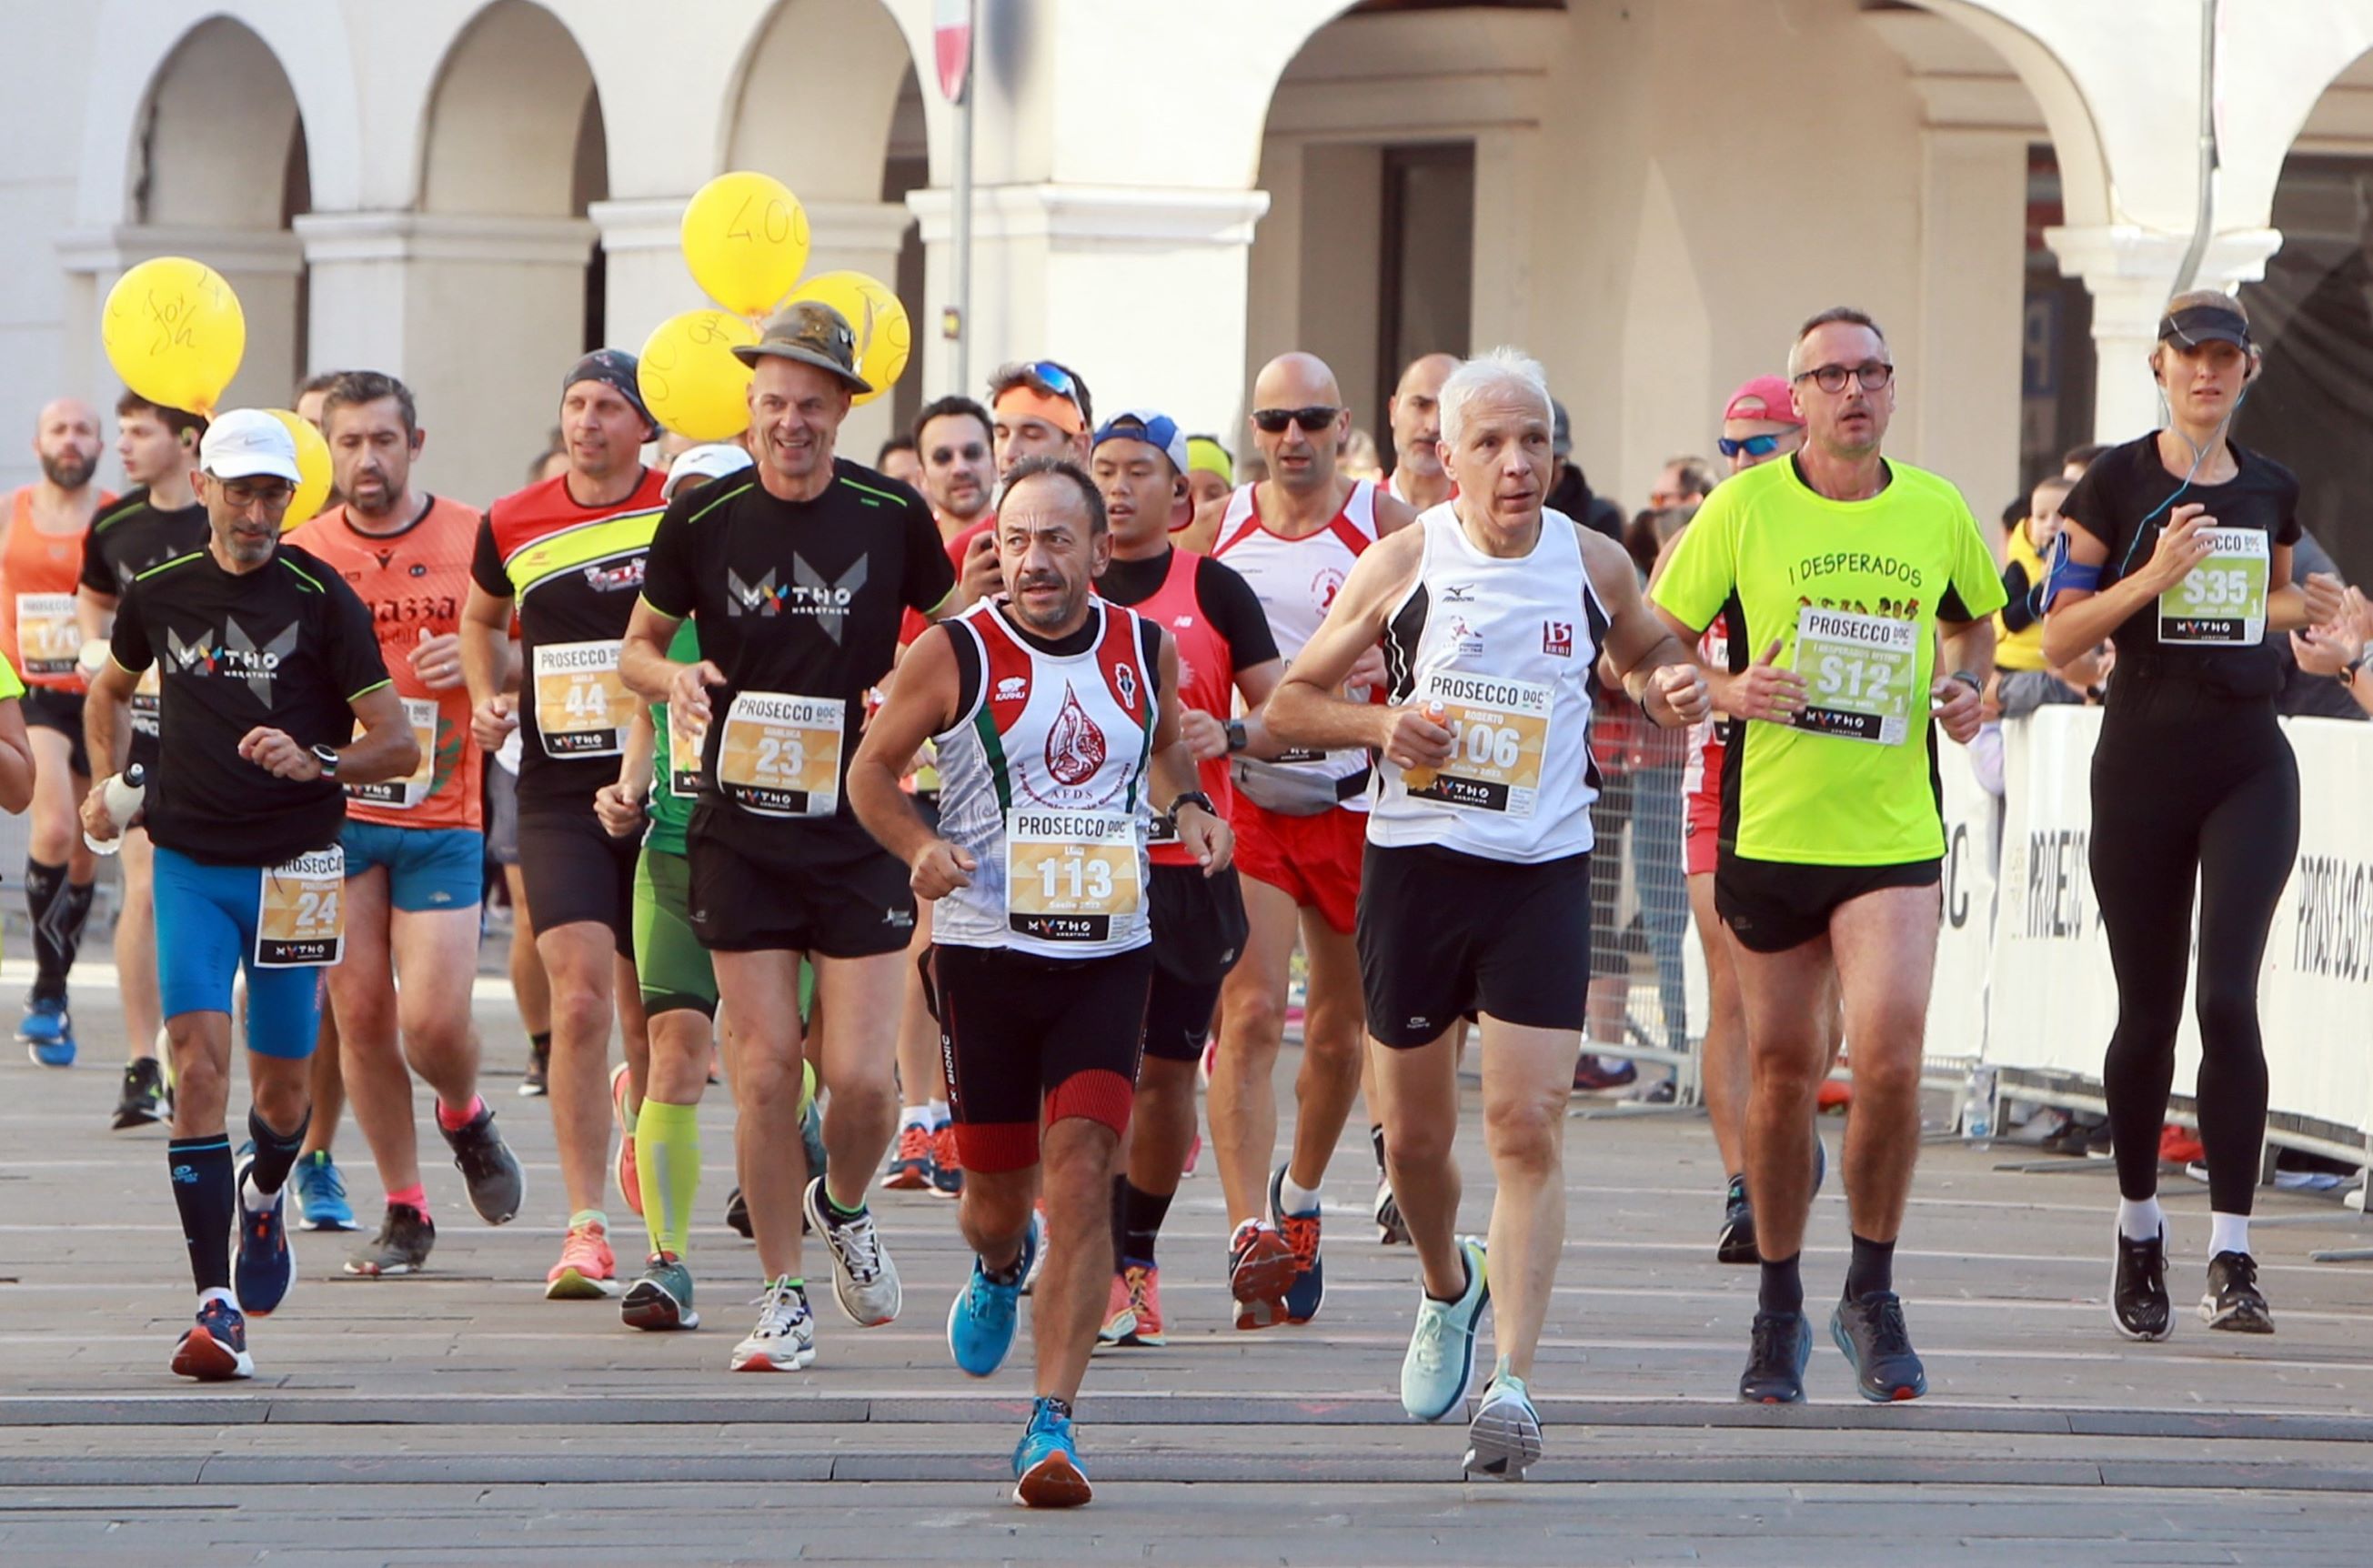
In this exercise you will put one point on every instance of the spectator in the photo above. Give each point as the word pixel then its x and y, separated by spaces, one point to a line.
pixel 899 460
pixel 2024 680
pixel 1684 482
pixel 2310 693
pixel 1360 459
pixel 1570 491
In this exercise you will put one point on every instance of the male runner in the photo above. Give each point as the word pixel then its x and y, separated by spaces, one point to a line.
pixel 416 859
pixel 40 556
pixel 1225 650
pixel 1475 893
pixel 1419 475
pixel 569 552
pixel 1057 721
pixel 1211 482
pixel 1837 568
pixel 797 576
pixel 1295 538
pixel 157 519
pixel 268 664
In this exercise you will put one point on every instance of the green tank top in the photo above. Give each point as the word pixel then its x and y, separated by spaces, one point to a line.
pixel 671 812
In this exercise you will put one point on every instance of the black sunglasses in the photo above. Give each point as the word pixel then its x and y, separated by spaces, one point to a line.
pixel 1314 418
pixel 1753 446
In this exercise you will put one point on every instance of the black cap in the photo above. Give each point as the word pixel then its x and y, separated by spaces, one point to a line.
pixel 812 333
pixel 2196 324
pixel 615 369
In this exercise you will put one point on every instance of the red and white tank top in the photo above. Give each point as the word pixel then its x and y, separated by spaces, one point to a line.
pixel 1701 771
pixel 1207 680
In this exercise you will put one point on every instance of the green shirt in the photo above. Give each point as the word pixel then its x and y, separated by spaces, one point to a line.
pixel 11 684
pixel 1862 585
pixel 671 812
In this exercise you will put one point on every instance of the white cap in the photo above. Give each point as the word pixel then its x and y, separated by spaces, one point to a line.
pixel 698 465
pixel 247 442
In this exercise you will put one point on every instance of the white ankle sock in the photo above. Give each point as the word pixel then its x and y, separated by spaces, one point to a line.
pixel 914 1115
pixel 1296 1199
pixel 937 1112
pixel 2227 1233
pixel 2140 1221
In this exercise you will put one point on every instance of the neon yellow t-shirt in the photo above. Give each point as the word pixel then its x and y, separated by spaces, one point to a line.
pixel 11 684
pixel 1852 591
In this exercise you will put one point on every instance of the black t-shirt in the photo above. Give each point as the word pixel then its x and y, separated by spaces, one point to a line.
pixel 2128 484
pixel 288 647
pixel 1227 601
pixel 798 604
pixel 125 541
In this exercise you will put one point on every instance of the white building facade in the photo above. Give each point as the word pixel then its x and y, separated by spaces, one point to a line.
pixel 1649 194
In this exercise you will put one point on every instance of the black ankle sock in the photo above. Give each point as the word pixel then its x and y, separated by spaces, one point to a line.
pixel 200 1169
pixel 1784 1285
pixel 1377 1142
pixel 1141 1222
pixel 276 1153
pixel 1872 1269
pixel 540 1042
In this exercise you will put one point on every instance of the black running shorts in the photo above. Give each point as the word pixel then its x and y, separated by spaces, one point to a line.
pixel 1772 905
pixel 573 871
pixel 1442 933
pixel 45 708
pixel 859 908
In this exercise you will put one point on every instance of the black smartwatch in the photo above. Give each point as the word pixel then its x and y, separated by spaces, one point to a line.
pixel 2347 676
pixel 1193 798
pixel 1237 739
pixel 1975 685
pixel 328 757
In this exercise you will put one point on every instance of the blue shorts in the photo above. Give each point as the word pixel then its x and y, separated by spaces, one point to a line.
pixel 205 934
pixel 427 868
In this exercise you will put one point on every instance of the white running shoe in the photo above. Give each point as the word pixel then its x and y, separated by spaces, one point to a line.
pixel 784 1339
pixel 862 1275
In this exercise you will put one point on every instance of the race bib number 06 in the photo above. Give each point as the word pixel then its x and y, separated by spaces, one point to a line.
pixel 1068 875
pixel 402 794
pixel 301 911
pixel 581 706
pixel 2221 602
pixel 781 755
pixel 1499 733
pixel 1859 673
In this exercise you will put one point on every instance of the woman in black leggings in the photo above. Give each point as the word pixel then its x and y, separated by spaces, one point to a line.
pixel 2173 543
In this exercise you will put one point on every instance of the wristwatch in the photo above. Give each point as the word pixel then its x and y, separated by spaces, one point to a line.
pixel 1237 739
pixel 2348 672
pixel 328 757
pixel 1975 685
pixel 1192 798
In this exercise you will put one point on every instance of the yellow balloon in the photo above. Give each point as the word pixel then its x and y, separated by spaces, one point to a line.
pixel 885 339
pixel 312 469
pixel 689 378
pixel 174 332
pixel 746 239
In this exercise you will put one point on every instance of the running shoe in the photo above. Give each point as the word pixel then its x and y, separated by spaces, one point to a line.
pixel 214 1349
pixel 1047 1472
pixel 1440 1366
pixel 1871 1331
pixel 536 1080
pixel 1593 1076
pixel 1194 1153
pixel 661 1299
pixel 2232 1302
pixel 910 1160
pixel 1210 1059
pixel 1778 1346
pixel 1261 1268
pixel 863 1278
pixel 264 1266
pixel 321 1196
pixel 1133 1315
pixel 947 1166
pixel 1038 1262
pixel 144 1098
pixel 737 1215
pixel 1307 1294
pixel 982 1320
pixel 48 1031
pixel 488 1166
pixel 1391 1229
pixel 630 1181
pixel 1735 1243
pixel 1505 1438
pixel 2138 1300
pixel 400 1248
pixel 812 1139
pixel 588 1269
pixel 784 1338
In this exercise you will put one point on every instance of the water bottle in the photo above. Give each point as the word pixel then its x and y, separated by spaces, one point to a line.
pixel 1978 1119
pixel 122 793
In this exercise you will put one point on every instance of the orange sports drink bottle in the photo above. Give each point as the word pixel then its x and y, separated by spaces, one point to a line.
pixel 1419 777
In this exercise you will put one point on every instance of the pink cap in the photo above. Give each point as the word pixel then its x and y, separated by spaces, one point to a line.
pixel 1765 397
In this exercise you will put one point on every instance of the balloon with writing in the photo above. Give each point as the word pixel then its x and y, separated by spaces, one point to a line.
pixel 173 330
pixel 746 239
pixel 689 378
pixel 312 469
pixel 885 339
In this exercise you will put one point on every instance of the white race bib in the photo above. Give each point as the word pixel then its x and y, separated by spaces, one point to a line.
pixel 402 794
pixel 1499 733
pixel 1859 672
pixel 1068 875
pixel 780 755
pixel 2221 602
pixel 300 919
pixel 582 703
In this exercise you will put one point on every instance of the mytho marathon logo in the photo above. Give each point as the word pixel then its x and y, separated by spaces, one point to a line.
pixel 809 592
pixel 236 654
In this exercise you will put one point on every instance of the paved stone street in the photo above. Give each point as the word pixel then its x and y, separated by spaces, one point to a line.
pixel 459 1417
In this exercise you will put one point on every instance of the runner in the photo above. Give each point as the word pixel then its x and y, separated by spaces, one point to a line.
pixel 2171 545
pixel 414 856
pixel 1415 411
pixel 157 521
pixel 1211 482
pixel 39 559
pixel 268 662
pixel 1041 967
pixel 1295 538
pixel 1831 836
pixel 797 575
pixel 1225 650
pixel 569 552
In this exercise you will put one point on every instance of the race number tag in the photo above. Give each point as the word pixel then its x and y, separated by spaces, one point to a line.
pixel 300 919
pixel 2221 602
pixel 1068 875
pixel 145 703
pixel 781 755
pixel 1859 674
pixel 686 748
pixel 48 637
pixel 1499 731
pixel 402 794
pixel 581 706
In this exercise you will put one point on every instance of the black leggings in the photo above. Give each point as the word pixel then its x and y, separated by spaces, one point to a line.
pixel 2211 791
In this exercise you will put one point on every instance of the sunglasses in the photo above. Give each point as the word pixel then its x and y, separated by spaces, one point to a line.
pixel 1753 446
pixel 1314 418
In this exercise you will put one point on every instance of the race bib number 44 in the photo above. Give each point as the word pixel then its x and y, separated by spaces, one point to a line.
pixel 48 637
pixel 581 706
pixel 1859 673
pixel 1068 875
pixel 780 756
pixel 2221 602
pixel 1499 733
pixel 402 794
pixel 301 911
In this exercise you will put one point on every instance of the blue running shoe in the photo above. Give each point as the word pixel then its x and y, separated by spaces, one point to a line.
pixel 48 1031
pixel 1440 1366
pixel 1505 1436
pixel 321 1195
pixel 1047 1472
pixel 1308 1292
pixel 981 1322
pixel 264 1266
pixel 214 1349
pixel 1871 1332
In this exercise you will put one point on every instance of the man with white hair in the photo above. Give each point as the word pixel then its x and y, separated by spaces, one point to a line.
pixel 1476 880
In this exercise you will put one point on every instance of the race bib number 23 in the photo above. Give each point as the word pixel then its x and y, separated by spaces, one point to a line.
pixel 780 755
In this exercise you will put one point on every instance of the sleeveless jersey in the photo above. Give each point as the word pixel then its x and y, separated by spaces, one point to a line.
pixel 38 572
pixel 1207 680
pixel 1041 781
pixel 1507 648
pixel 1701 772
pixel 1296 581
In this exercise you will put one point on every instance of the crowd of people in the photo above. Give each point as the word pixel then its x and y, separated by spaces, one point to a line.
pixel 953 812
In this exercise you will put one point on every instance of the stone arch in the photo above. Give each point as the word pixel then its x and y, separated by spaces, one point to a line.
pixel 502 137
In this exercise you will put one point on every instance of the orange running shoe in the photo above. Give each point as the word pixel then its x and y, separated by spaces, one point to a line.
pixel 587 1269
pixel 947 1168
pixel 1143 1285
pixel 630 1180
pixel 1261 1268
pixel 910 1164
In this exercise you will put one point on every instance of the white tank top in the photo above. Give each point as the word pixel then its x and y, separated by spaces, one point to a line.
pixel 1507 647
pixel 1296 581
pixel 1042 778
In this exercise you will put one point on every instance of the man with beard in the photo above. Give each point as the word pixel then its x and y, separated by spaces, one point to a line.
pixel 1415 411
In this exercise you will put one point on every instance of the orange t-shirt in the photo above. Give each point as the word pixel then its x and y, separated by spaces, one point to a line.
pixel 37 598
pixel 413 583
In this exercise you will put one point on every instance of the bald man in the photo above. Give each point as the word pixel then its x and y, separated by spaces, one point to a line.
pixel 1415 413
pixel 1300 823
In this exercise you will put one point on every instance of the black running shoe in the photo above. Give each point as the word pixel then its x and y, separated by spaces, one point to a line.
pixel 488 1166
pixel 737 1215
pixel 1735 1243
pixel 144 1099
pixel 1871 1332
pixel 535 1081
pixel 2232 1302
pixel 1776 1348
pixel 404 1240
pixel 2138 1289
